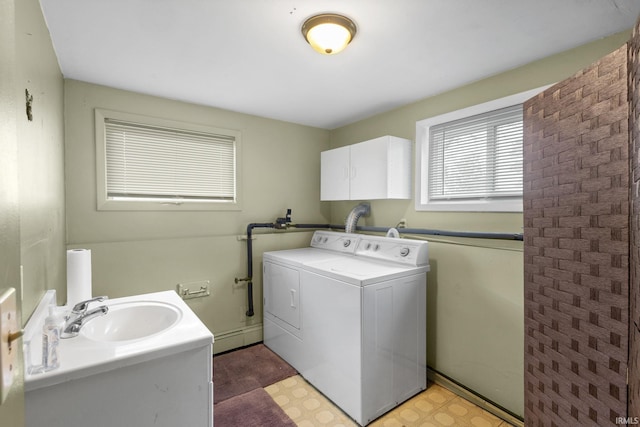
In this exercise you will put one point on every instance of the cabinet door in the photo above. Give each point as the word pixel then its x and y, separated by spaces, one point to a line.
pixel 369 169
pixel 334 174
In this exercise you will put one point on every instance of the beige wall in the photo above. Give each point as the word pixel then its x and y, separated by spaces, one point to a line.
pixel 475 327
pixel 12 410
pixel 139 252
pixel 32 223
pixel 40 158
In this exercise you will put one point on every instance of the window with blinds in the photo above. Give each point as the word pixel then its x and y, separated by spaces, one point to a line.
pixel 471 159
pixel 477 157
pixel 158 163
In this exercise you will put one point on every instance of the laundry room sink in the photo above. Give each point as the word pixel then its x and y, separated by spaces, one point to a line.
pixel 131 321
pixel 146 362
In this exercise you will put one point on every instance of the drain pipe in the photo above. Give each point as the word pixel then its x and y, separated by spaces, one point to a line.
pixel 472 234
pixel 315 226
pixel 249 277
pixel 351 222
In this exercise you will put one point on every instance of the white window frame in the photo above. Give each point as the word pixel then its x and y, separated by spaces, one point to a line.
pixel 106 203
pixel 422 199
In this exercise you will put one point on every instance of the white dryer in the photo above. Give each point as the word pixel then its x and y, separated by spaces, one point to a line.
pixel 281 272
pixel 361 319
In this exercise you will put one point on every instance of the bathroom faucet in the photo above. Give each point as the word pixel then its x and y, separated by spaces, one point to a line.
pixel 79 315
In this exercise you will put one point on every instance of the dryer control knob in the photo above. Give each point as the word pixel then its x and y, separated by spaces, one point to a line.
pixel 346 243
pixel 404 252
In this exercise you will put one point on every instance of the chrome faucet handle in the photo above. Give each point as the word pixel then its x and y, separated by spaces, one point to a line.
pixel 81 307
pixel 72 329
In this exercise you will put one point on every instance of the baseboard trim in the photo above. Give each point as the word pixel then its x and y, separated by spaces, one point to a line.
pixel 474 398
pixel 229 340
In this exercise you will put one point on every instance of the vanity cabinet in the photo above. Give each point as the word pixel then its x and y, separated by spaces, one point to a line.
pixel 376 169
pixel 175 390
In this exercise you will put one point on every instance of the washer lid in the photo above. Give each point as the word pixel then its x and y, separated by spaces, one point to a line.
pixel 361 271
pixel 299 257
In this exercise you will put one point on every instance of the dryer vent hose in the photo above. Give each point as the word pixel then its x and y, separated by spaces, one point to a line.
pixel 352 219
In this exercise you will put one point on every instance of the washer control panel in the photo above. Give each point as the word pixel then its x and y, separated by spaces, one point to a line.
pixel 335 241
pixel 404 251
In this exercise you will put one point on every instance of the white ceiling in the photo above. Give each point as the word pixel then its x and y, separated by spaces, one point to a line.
pixel 249 55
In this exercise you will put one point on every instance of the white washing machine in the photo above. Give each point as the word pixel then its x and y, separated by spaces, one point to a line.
pixel 349 313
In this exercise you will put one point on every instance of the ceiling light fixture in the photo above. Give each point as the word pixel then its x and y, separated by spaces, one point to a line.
pixel 329 33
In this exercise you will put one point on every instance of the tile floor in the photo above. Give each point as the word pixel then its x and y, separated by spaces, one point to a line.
pixel 434 407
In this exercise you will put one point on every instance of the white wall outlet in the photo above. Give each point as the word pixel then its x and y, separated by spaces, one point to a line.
pixel 9 333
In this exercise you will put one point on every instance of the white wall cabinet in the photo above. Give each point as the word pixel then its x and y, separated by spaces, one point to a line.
pixel 376 169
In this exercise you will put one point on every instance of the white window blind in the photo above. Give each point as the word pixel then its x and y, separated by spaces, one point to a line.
pixel 145 162
pixel 477 157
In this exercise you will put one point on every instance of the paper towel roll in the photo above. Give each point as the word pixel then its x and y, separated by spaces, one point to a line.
pixel 78 276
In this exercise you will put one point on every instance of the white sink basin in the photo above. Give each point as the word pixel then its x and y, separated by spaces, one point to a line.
pixel 131 321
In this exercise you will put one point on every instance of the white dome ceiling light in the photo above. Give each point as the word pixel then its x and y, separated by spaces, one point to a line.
pixel 329 33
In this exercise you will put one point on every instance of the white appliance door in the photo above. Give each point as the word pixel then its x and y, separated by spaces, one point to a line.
pixel 282 293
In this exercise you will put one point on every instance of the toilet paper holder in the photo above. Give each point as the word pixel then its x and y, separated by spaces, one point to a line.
pixel 193 289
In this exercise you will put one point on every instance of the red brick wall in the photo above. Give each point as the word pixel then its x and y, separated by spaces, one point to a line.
pixel 576 248
pixel 634 290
